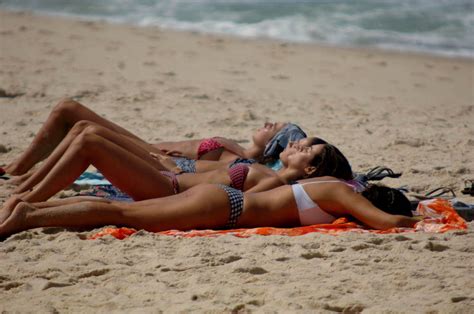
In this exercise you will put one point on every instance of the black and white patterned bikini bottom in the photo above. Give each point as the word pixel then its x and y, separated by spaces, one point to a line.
pixel 236 200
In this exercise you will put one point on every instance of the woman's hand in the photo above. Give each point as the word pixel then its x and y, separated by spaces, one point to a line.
pixel 166 162
pixel 173 153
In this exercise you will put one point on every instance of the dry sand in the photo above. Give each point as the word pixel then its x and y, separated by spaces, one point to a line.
pixel 413 113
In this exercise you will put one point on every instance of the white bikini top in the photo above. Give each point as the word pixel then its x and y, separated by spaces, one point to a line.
pixel 309 212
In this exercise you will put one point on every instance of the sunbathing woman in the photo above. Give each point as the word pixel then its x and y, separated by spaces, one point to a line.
pixel 139 175
pixel 69 118
pixel 84 133
pixel 206 206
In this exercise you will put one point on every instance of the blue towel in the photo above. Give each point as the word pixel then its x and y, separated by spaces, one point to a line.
pixel 92 178
pixel 275 165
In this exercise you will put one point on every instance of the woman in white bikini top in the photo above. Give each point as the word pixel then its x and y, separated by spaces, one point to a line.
pixel 309 212
pixel 210 206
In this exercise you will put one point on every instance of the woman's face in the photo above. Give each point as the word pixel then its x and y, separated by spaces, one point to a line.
pixel 308 141
pixel 300 157
pixel 292 147
pixel 264 134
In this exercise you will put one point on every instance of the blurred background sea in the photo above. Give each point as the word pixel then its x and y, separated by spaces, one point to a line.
pixel 440 27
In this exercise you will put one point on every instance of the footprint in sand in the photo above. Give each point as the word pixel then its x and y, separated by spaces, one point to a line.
pixel 436 247
pixel 280 77
pixel 338 249
pixel 75 37
pixel 4 149
pixel 9 94
pixel 251 270
pixel 39 284
pixel 410 142
pixel 360 247
pixel 249 116
pixel 311 255
pixel 352 308
pixel 229 259
pixel 149 63
pixel 10 285
pixel 94 273
pixel 282 259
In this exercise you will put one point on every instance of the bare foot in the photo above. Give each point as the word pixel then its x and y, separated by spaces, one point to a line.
pixel 16 222
pixel 166 162
pixel 14 169
pixel 16 180
pixel 8 207
pixel 19 182
pixel 20 179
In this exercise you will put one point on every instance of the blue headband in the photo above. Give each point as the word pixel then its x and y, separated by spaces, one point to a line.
pixel 291 132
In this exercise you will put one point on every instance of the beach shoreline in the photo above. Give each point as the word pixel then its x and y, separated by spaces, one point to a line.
pixel 407 111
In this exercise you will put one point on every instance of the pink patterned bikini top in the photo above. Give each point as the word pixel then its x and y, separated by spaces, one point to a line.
pixel 208 145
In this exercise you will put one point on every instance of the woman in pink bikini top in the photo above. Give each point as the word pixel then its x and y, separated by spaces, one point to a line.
pixel 271 135
pixel 69 119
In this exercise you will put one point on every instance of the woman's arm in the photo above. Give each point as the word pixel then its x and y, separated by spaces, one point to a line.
pixel 231 146
pixel 362 209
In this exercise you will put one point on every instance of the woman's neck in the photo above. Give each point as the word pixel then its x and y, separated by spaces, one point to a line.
pixel 253 152
pixel 288 175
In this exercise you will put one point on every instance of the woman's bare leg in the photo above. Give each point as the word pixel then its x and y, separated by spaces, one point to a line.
pixel 131 174
pixel 142 150
pixel 62 118
pixel 205 206
pixel 71 200
pixel 135 176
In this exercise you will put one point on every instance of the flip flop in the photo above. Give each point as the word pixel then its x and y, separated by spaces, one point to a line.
pixel 441 192
pixel 377 174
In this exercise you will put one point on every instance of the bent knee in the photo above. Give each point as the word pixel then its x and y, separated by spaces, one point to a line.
pixel 67 105
pixel 92 128
pixel 86 142
pixel 81 126
pixel 68 109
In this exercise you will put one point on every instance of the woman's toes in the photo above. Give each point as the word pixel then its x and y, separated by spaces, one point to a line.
pixel 16 221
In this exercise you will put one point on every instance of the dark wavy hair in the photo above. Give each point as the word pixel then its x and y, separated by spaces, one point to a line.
pixel 390 200
pixel 331 162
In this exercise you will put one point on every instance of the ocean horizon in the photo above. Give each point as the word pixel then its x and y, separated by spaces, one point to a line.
pixel 442 27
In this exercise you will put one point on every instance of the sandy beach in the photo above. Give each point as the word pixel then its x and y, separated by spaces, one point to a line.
pixel 413 113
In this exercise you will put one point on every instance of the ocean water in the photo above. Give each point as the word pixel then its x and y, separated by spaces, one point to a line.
pixel 442 27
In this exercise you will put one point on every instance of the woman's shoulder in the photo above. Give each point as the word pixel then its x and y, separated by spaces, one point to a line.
pixel 330 185
pixel 321 180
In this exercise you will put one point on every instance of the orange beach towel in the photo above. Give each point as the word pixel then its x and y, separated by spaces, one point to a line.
pixel 439 217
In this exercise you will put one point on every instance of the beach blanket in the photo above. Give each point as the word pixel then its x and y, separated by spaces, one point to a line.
pixel 439 217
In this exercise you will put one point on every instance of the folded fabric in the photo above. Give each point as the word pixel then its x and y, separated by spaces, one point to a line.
pixel 107 191
pixel 290 132
pixel 439 217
